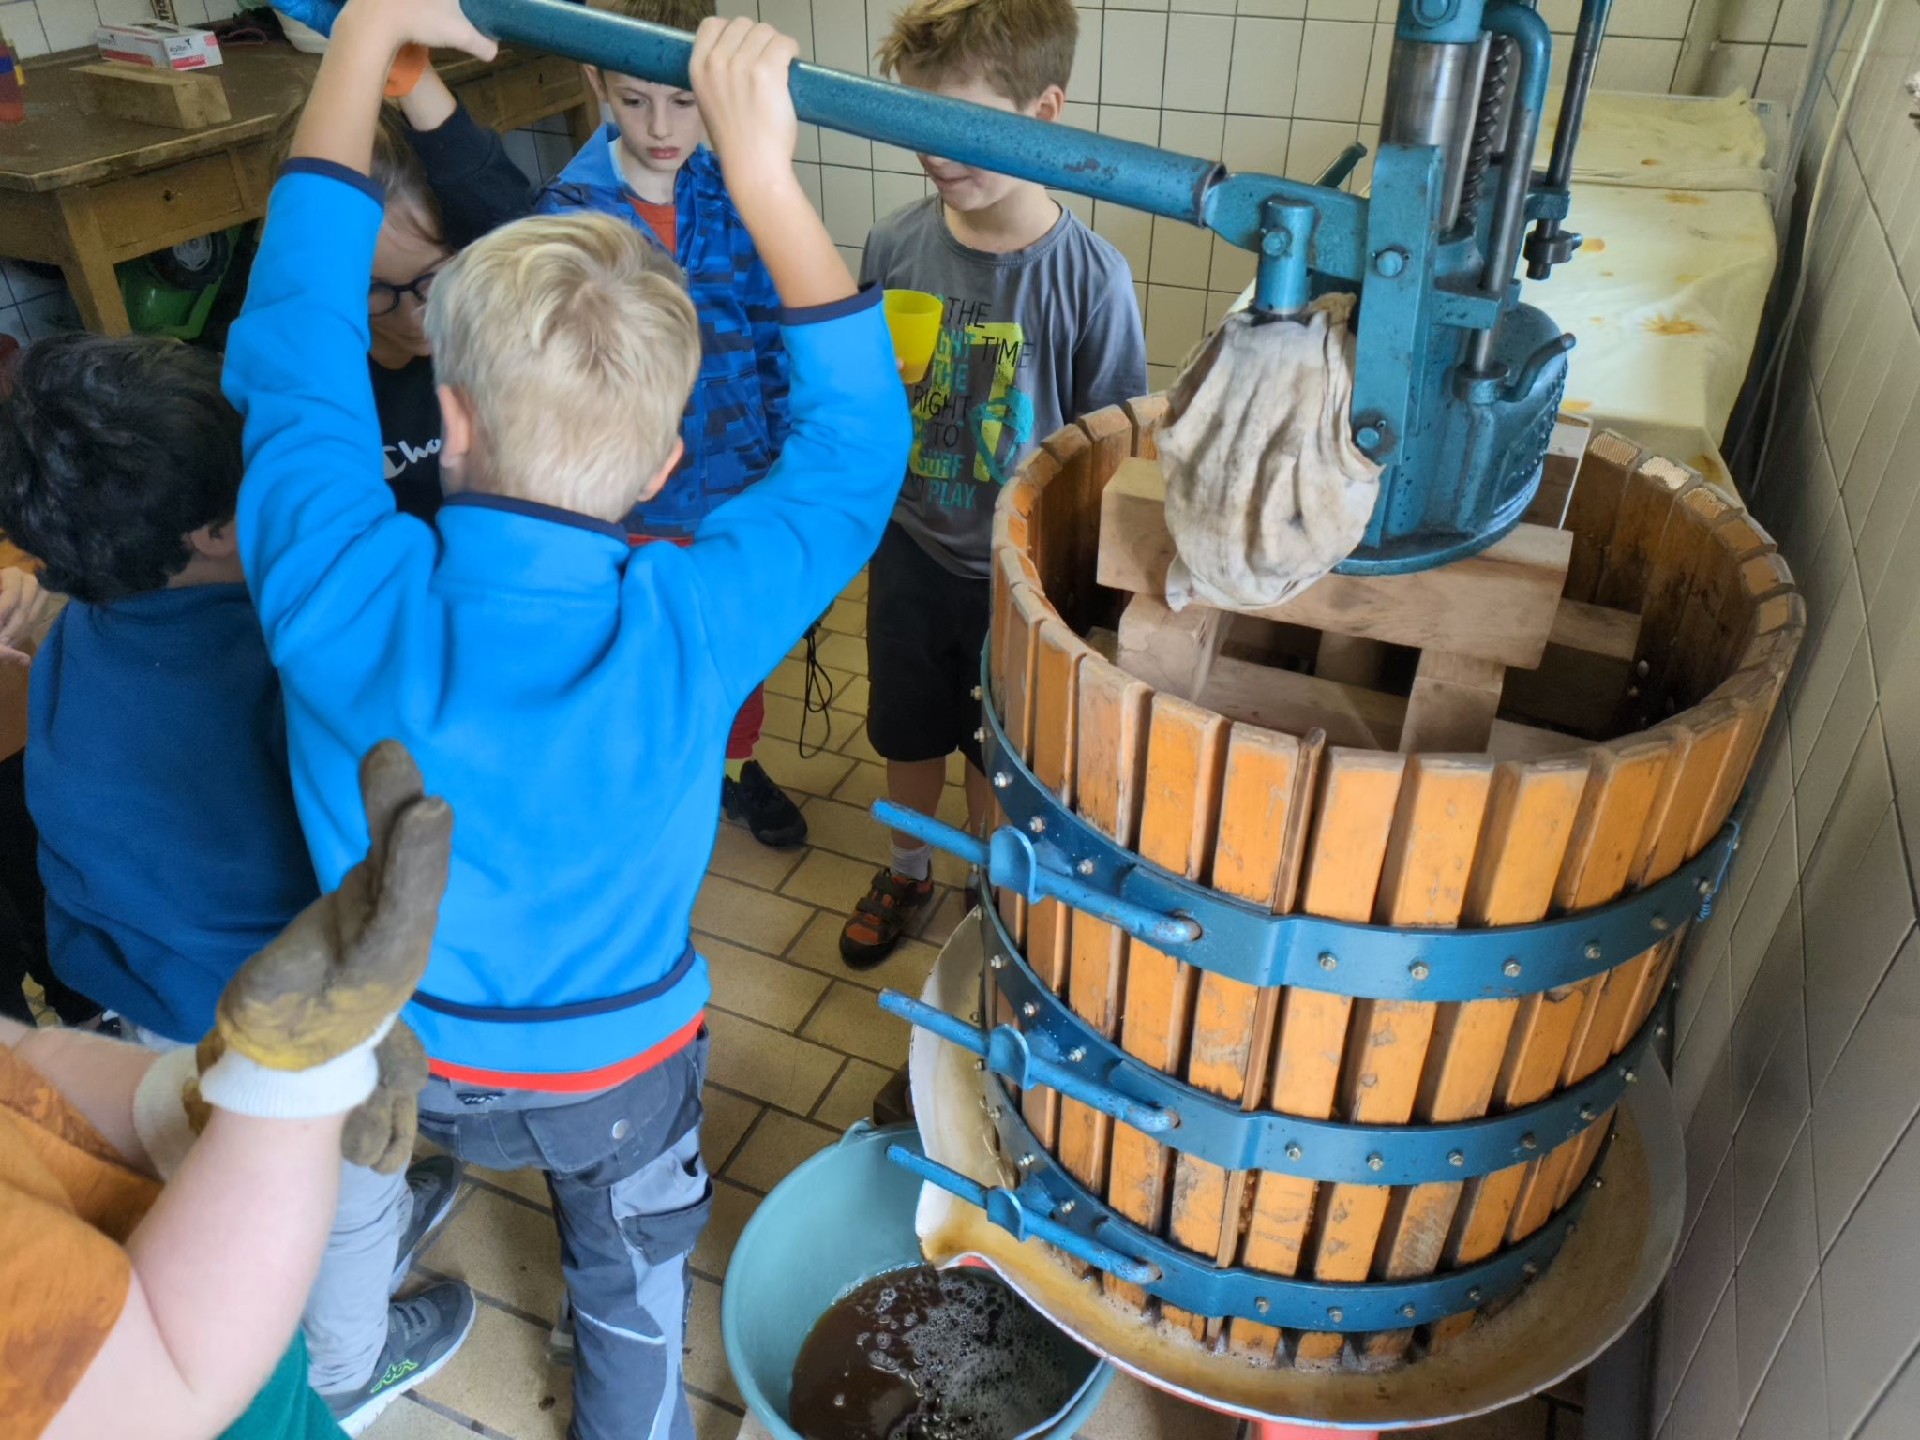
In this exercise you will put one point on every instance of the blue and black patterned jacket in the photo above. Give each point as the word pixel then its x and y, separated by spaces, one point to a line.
pixel 736 421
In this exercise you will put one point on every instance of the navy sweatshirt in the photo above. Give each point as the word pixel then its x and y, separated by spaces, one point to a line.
pixel 157 774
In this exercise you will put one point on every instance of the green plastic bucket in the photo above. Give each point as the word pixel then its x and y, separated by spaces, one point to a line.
pixel 841 1218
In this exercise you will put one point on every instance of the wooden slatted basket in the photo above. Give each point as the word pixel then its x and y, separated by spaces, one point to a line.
pixel 1536 731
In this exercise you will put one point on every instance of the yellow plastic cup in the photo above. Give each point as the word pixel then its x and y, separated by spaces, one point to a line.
pixel 914 320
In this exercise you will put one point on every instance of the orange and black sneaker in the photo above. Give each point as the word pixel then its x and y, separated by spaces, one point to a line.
pixel 880 918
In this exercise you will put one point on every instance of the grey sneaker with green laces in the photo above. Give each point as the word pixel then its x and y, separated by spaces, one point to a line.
pixel 423 1333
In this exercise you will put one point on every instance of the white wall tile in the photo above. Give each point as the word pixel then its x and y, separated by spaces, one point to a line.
pixel 840 34
pixel 1641 65
pixel 1897 1416
pixel 21 24
pixel 1341 9
pixel 1182 255
pixel 1129 230
pixel 1663 19
pixel 1733 68
pixel 1799 22
pixel 896 192
pixel 1193 133
pixel 1837 740
pixel 847 204
pixel 1773 1122
pixel 1133 57
pixel 1792 1403
pixel 1266 62
pixel 1333 70
pixel 1859 909
pixel 1706 1402
pixel 1772 1001
pixel 1255 143
pixel 1777 1269
pixel 1085 85
pixel 1199 52
pixel 1748 20
pixel 1313 145
pixel 1176 319
pixel 1274 9
pixel 69 24
pixel 1130 122
pixel 1870 1290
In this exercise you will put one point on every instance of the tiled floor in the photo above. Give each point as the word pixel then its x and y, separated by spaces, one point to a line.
pixel 799 1048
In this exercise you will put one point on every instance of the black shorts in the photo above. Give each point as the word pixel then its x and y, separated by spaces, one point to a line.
pixel 926 627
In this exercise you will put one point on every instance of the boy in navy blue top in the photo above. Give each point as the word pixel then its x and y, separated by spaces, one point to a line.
pixel 566 693
pixel 157 765
pixel 650 169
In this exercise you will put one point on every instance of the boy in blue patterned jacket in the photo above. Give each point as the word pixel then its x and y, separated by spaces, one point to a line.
pixel 650 168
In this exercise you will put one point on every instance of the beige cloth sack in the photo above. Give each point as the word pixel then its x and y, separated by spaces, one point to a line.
pixel 1266 490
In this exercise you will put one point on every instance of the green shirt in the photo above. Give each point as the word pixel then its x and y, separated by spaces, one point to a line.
pixel 286 1407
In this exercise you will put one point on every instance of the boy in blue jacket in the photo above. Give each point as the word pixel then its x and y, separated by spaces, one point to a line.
pixel 566 693
pixel 650 169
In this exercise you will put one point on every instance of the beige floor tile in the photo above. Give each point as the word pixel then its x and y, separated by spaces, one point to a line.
pixel 848 616
pixel 832 882
pixel 1525 1421
pixel 724 1122
pixel 818 948
pixel 788 719
pixel 710 1422
pixel 1133 1411
pixel 732 1208
pixel 861 748
pixel 864 784
pixel 789 678
pixel 852 696
pixel 505 1250
pixel 706 1355
pixel 815 772
pixel 529 1185
pixel 839 651
pixel 738 856
pixel 729 910
pixel 503 1379
pixel 770 991
pixel 847 830
pixel 768 1064
pixel 851 1097
pixel 406 1420
pixel 946 916
pixel 777 1144
pixel 857 588
pixel 849 1019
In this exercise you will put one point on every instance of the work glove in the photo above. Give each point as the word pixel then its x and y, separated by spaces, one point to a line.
pixel 309 1026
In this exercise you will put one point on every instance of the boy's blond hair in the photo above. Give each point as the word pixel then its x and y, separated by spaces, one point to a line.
pixel 575 344
pixel 1019 47
pixel 674 14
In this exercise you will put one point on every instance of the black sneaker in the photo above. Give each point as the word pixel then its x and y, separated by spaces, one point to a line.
pixel 423 1333
pixel 435 1185
pixel 763 807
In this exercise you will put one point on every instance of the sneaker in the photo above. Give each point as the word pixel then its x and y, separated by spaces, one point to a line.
pixel 435 1185
pixel 423 1333
pixel 880 918
pixel 763 807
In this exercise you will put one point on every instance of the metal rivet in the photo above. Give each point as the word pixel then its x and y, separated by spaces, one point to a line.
pixel 1511 969
pixel 1336 1314
pixel 1367 437
pixel 1598 1183
pixel 1328 960
pixel 975 692
pixel 1029 1010
pixel 1529 1269
pixel 1659 1032
pixel 1661 924
pixel 1261 1304
pixel 993 1112
pixel 1066 1207
pixel 1418 970
pixel 1573 1228
pixel 1473 1296
pixel 1704 886
pixel 1407 1312
pixel 997 962
pixel 1529 1141
pixel 1640 667
pixel 1025 1162
pixel 1455 1158
pixel 1593 950
pixel 1630 1077
pixel 1001 780
pixel 1375 1162
pixel 980 736
pixel 1038 825
pixel 622 1128
pixel 1077 1054
pixel 1293 1152
pixel 1390 262
pixel 1086 867
pixel 974 1018
pixel 1586 1113
pixel 979 1064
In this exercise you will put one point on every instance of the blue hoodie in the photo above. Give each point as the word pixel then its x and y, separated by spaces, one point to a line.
pixel 737 419
pixel 567 694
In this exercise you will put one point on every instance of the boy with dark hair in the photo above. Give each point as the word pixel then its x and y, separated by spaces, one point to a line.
pixel 157 773
pixel 1041 325
pixel 650 169
pixel 566 692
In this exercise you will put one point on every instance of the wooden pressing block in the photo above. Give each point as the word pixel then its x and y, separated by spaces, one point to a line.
pixel 1170 650
pixel 1452 705
pixel 1582 679
pixel 1498 605
pixel 1559 473
pixel 1351 716
pixel 177 100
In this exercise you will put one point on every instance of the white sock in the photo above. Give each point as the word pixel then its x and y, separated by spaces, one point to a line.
pixel 913 861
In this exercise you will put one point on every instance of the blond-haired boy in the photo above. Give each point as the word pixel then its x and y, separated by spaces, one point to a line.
pixel 567 694
pixel 1041 325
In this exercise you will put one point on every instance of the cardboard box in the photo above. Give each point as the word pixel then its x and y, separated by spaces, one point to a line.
pixel 160 45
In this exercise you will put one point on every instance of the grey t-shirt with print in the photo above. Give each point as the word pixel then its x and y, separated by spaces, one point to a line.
pixel 1029 341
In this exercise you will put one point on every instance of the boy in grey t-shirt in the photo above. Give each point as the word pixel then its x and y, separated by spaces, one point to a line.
pixel 1040 326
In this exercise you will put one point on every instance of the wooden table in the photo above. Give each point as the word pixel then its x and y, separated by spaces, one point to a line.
pixel 86 192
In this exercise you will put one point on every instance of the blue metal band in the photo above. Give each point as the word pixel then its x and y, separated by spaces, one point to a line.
pixel 1049 1204
pixel 1054 1047
pixel 1071 860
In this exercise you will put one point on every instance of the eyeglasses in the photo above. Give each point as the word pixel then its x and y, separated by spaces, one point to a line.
pixel 384 299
